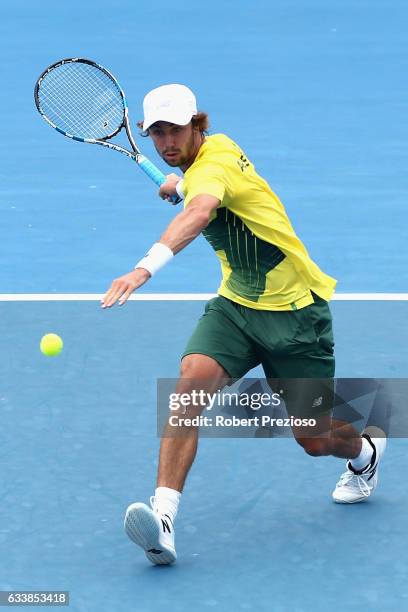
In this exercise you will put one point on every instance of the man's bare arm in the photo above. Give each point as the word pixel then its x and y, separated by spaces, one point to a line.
pixel 186 226
pixel 189 223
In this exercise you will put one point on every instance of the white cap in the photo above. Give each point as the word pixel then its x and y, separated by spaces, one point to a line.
pixel 171 103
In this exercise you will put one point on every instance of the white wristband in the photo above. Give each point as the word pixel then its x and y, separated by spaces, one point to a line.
pixel 156 258
pixel 179 189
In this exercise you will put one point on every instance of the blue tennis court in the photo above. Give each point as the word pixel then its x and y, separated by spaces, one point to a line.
pixel 314 95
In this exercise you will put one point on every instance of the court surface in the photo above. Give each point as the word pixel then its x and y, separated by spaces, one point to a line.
pixel 314 94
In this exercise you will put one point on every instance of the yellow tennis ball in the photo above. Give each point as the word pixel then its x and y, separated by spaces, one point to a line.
pixel 51 345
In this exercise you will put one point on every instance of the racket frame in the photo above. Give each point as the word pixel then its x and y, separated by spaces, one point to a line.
pixel 102 141
pixel 150 169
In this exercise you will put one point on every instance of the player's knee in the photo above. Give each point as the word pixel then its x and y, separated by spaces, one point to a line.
pixel 189 367
pixel 316 447
pixel 202 367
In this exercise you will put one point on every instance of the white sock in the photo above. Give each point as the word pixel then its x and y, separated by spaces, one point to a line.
pixel 166 501
pixel 365 456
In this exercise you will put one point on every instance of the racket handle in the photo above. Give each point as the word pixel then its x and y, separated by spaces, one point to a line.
pixel 154 173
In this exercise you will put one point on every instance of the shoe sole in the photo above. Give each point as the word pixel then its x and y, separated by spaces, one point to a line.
pixel 142 528
pixel 353 501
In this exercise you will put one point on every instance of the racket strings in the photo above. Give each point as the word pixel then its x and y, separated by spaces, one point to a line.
pixel 84 99
pixel 81 100
pixel 63 116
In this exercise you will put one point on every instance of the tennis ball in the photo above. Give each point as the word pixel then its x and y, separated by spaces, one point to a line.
pixel 51 345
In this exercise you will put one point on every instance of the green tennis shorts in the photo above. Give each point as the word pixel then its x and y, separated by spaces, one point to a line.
pixel 289 344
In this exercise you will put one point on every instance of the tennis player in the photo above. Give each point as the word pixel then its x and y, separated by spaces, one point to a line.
pixel 271 308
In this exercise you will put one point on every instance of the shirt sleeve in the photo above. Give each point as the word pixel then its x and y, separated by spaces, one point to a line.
pixel 208 179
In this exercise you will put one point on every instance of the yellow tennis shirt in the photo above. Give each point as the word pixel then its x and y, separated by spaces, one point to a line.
pixel 264 264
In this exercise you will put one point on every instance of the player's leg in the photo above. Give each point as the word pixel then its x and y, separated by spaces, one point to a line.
pixel 305 360
pixel 310 400
pixel 153 528
pixel 217 351
pixel 360 479
pixel 329 436
pixel 198 373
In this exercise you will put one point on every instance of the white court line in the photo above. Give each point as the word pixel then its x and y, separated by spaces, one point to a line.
pixel 172 297
pixel 91 297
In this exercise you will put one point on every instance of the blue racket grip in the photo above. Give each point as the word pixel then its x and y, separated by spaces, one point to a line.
pixel 154 173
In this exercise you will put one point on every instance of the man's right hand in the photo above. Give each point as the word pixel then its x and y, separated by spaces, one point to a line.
pixel 124 286
pixel 168 190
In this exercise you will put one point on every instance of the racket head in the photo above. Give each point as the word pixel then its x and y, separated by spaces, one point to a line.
pixel 81 99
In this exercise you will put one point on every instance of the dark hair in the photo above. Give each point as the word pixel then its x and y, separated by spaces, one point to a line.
pixel 199 121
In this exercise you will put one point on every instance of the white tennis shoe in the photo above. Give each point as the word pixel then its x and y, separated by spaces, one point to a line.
pixel 151 531
pixel 357 485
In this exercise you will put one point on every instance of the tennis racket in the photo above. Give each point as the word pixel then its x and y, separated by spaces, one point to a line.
pixel 83 101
